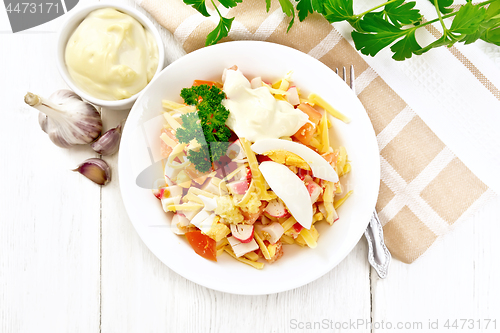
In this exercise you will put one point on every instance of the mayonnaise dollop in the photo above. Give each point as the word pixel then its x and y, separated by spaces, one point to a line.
pixel 255 114
pixel 110 55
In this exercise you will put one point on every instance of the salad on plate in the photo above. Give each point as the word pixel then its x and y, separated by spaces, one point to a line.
pixel 249 167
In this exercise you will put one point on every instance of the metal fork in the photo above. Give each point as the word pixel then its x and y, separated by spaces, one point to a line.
pixel 379 256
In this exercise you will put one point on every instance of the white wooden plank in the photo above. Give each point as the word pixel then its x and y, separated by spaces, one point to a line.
pixel 456 279
pixel 140 294
pixel 49 244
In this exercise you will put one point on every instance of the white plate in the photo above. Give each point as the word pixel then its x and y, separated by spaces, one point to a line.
pixel 298 266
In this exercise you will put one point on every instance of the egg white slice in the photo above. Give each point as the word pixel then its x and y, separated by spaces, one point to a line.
pixel 291 189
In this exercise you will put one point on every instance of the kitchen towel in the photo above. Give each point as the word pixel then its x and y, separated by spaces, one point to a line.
pixel 431 113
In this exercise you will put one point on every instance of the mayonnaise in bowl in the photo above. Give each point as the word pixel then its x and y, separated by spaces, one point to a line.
pixel 110 55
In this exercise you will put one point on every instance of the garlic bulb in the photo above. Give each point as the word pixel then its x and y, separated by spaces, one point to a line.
pixel 96 170
pixel 66 118
pixel 109 142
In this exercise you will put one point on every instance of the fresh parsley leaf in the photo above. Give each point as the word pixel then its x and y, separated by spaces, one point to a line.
pixel 220 31
pixel 468 19
pixel 405 47
pixel 492 35
pixel 401 13
pixel 493 10
pixel 339 10
pixel 306 7
pixel 199 5
pixel 289 11
pixel 207 125
pixel 442 5
pixel 192 129
pixel 490 28
pixel 200 158
pixel 371 44
pixel 218 149
pixel 376 33
pixel 230 3
pixel 375 22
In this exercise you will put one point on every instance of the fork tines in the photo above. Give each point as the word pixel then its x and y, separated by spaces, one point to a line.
pixel 344 76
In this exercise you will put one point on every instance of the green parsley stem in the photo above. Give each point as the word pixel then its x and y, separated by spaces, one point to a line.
pixel 374 8
pixel 217 9
pixel 440 17
pixel 484 3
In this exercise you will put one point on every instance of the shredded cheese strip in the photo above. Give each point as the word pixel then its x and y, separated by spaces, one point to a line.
pixel 177 151
pixel 308 238
pixel 287 239
pixel 247 195
pixel 262 246
pixel 197 191
pixel 252 256
pixel 328 194
pixel 288 223
pixel 254 264
pixel 222 244
pixel 260 185
pixel 235 172
pixel 185 206
pixel 341 160
pixel 168 141
pixel 273 90
pixel 171 121
pixel 347 169
pixel 192 197
pixel 339 202
pixel 284 85
pixel 325 139
pixel 173 106
pixel 315 99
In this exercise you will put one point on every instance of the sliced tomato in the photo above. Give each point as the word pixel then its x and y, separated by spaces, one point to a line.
pixel 209 83
pixel 305 134
pixel 202 244
pixel 314 115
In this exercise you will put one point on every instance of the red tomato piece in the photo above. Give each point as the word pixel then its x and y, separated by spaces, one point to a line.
pixel 305 134
pixel 314 115
pixel 202 245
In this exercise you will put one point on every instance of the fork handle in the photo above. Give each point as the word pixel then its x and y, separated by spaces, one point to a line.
pixel 379 256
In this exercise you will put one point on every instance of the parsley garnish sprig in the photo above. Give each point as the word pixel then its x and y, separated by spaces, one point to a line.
pixel 392 23
pixel 207 125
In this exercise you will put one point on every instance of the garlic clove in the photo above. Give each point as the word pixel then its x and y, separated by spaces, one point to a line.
pixel 109 142
pixel 96 170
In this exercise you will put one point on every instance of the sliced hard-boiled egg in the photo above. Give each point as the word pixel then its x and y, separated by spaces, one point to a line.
pixel 289 188
pixel 319 166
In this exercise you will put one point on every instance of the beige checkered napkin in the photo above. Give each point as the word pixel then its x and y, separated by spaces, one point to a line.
pixel 422 187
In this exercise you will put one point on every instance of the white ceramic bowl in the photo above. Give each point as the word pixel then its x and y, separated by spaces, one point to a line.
pixel 75 17
pixel 298 266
